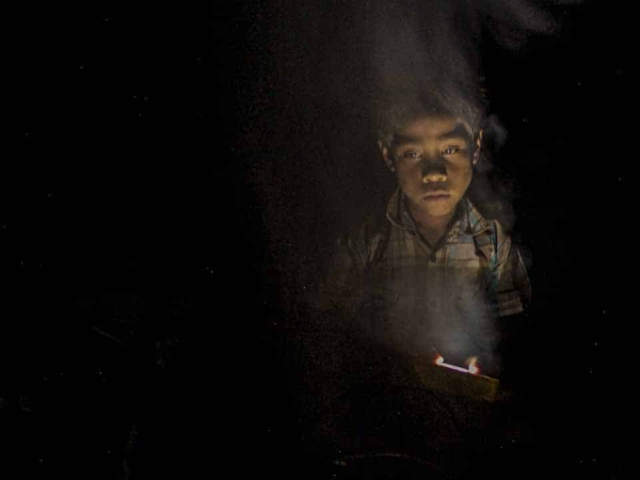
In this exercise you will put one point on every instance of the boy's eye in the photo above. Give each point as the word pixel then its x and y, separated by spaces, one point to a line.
pixel 451 150
pixel 411 155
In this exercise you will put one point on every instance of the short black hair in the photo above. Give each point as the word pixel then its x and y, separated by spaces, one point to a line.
pixel 395 109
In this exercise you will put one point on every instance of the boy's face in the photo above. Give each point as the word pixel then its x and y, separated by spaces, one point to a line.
pixel 433 160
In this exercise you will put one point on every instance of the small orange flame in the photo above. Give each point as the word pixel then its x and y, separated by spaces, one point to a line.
pixel 473 365
pixel 439 360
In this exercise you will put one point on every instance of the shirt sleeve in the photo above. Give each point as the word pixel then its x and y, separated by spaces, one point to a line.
pixel 511 289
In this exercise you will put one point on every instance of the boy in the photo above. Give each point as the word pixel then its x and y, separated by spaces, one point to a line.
pixel 432 276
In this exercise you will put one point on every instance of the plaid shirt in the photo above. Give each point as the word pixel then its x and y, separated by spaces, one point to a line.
pixel 473 274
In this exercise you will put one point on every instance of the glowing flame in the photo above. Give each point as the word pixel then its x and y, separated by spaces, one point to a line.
pixel 473 365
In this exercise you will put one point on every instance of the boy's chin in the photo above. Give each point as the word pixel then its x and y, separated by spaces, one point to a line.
pixel 437 208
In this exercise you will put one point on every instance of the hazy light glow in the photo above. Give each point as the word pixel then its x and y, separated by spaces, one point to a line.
pixel 473 366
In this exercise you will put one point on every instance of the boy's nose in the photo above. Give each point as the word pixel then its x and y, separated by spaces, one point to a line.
pixel 433 175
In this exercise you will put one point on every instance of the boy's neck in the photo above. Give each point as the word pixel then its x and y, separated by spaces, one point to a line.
pixel 432 228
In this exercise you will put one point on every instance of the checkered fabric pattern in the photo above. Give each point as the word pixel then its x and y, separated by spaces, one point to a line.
pixel 476 255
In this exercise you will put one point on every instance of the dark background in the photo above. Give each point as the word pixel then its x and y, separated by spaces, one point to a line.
pixel 172 178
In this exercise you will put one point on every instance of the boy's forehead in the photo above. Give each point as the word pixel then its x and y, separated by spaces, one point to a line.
pixel 435 128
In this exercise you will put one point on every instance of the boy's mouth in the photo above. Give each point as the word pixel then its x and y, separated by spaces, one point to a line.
pixel 438 195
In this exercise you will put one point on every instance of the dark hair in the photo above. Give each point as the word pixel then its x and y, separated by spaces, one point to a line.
pixel 395 109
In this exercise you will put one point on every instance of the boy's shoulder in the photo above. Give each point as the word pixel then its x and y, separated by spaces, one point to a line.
pixel 365 238
pixel 367 241
pixel 377 225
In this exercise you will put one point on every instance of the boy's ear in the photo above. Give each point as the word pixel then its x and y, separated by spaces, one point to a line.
pixel 385 156
pixel 476 153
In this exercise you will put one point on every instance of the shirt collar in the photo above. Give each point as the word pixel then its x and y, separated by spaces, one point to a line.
pixel 470 221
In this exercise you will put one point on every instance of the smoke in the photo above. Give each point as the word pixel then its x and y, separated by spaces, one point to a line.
pixel 458 325
pixel 362 57
pixel 435 49
pixel 440 42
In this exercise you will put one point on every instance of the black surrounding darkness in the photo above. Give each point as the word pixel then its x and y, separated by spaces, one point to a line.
pixel 170 183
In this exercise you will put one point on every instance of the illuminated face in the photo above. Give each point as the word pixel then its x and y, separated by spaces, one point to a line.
pixel 433 160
